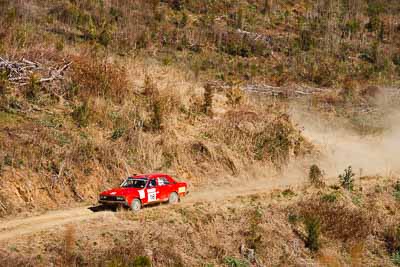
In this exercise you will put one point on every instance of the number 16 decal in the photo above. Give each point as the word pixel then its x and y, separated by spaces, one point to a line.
pixel 151 195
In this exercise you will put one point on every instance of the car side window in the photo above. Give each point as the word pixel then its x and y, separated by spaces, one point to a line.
pixel 163 181
pixel 152 183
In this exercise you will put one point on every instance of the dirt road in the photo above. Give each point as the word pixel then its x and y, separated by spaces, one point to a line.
pixel 16 228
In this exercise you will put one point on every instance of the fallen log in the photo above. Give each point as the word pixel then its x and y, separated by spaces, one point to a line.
pixel 20 72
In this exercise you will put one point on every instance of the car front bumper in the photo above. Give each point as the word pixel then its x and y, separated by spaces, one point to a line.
pixel 113 202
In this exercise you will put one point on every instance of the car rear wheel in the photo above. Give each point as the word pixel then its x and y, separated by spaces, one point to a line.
pixel 136 205
pixel 173 198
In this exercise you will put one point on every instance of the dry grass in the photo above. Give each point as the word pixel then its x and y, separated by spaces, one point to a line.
pixel 94 78
pixel 263 135
pixel 339 220
pixel 69 246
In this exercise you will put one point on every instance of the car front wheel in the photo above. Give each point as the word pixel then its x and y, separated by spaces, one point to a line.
pixel 136 205
pixel 173 198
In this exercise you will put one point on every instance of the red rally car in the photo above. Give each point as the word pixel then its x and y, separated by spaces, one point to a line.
pixel 141 190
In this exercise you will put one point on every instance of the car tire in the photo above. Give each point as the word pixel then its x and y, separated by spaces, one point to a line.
pixel 136 205
pixel 173 198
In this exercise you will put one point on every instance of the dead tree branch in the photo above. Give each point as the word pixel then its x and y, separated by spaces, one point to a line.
pixel 20 72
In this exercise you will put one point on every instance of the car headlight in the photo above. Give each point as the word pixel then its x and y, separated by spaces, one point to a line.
pixel 120 198
pixel 103 197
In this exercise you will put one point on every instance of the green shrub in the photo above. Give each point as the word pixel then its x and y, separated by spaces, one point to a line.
pixel 33 87
pixel 312 241
pixel 306 41
pixel 332 197
pixel 208 98
pixel 346 179
pixel 233 262
pixel 396 258
pixel 275 144
pixel 141 261
pixel 338 220
pixel 315 175
pixel 117 133
pixel 176 4
pixel 352 26
pixel 81 114
pixel 396 192
pixel 392 239
pixel 396 59
pixel 157 116
pixel 293 218
pixel 288 193
pixel 3 82
pixel 8 160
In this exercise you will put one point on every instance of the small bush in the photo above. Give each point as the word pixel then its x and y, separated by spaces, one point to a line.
pixel 396 192
pixel 3 83
pixel 149 87
pixel 208 98
pixel 33 87
pixel 396 59
pixel 233 262
pixel 141 261
pixel 332 197
pixel 306 41
pixel 99 79
pixel 176 4
pixel 315 176
pixel 337 219
pixel 392 239
pixel 117 133
pixel 396 258
pixel 155 102
pixel 276 143
pixel 235 96
pixel 81 114
pixel 346 179
pixel 157 115
pixel 312 233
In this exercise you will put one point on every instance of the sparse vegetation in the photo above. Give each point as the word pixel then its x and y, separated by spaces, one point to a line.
pixel 337 219
pixel 81 114
pixel 94 78
pixel 396 192
pixel 233 262
pixel 315 176
pixel 208 98
pixel 347 180
pixel 312 233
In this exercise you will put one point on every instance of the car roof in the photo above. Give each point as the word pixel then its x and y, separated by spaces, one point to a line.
pixel 149 175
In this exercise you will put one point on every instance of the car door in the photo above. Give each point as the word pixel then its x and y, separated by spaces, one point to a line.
pixel 164 187
pixel 152 192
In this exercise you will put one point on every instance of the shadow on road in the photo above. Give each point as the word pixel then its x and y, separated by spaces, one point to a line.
pixel 103 208
pixel 99 208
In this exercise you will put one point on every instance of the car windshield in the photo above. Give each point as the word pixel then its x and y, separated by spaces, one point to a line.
pixel 134 183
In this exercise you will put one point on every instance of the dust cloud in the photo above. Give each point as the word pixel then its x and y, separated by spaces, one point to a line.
pixel 341 147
